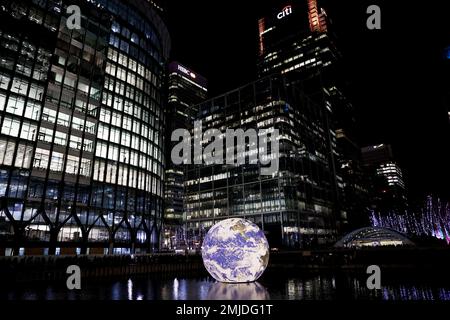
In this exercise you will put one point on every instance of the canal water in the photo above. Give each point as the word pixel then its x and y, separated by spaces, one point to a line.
pixel 271 286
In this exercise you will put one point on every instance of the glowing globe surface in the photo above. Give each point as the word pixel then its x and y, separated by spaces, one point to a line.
pixel 235 250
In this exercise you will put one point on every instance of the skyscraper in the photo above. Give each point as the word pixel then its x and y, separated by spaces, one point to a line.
pixel 388 189
pixel 294 205
pixel 299 92
pixel 186 90
pixel 297 40
pixel 81 149
pixel 294 38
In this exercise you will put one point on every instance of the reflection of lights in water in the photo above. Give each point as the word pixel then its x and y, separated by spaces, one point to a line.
pixel 237 291
pixel 116 289
pixel 403 293
pixel 175 289
pixel 130 289
pixel 291 288
pixel 444 294
pixel 203 290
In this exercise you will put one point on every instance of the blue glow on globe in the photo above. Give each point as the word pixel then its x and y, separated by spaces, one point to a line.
pixel 235 250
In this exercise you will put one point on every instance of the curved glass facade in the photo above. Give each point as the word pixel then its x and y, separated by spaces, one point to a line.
pixel 81 141
pixel 373 237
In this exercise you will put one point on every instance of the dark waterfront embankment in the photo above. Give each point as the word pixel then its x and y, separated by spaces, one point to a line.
pixel 53 268
pixel 26 269
pixel 436 259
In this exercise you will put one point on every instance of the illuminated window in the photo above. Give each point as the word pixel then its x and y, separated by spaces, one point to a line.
pixel 23 158
pixel 32 111
pixel 63 119
pixel 124 155
pixel 41 158
pixel 116 119
pixel 115 135
pixel 4 81
pixel 99 170
pixel 88 145
pixel 28 131
pixel 60 138
pixel 103 132
pixel 15 105
pixel 111 173
pixel 72 165
pixel 57 162
pixel 126 139
pixel 101 150
pixel 19 86
pixel 113 153
pixel 127 123
pixel 77 123
pixel 10 127
pixel 105 115
pixel 85 167
pixel 117 104
pixel 36 92
pixel 2 101
pixel 75 142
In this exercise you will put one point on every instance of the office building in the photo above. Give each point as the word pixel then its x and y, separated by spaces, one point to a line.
pixel 81 113
pixel 186 90
pixel 388 189
pixel 297 40
pixel 295 205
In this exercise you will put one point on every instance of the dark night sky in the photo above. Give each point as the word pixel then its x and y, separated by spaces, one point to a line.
pixel 396 75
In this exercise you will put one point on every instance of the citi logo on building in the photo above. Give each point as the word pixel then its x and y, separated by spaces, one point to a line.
pixel 285 12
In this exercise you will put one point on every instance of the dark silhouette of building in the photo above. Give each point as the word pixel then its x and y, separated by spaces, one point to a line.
pixel 387 186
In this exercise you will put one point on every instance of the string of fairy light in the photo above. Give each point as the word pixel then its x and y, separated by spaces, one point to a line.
pixel 432 220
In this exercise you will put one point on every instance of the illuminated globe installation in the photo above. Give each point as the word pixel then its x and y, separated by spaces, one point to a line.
pixel 235 250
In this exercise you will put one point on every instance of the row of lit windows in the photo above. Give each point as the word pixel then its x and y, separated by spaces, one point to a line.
pixel 124 155
pixel 22 158
pixel 16 105
pixel 126 122
pixel 66 120
pixel 11 127
pixel 129 139
pixel 132 65
pixel 61 138
pixel 113 173
pixel 134 51
pixel 130 108
pixel 127 86
pixel 21 86
pixel 73 164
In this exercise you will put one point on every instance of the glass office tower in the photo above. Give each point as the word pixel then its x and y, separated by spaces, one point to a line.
pixel 81 142
pixel 186 90
pixel 294 206
pixel 297 40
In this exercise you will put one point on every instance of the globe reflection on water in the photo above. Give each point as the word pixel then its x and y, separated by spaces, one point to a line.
pixel 237 291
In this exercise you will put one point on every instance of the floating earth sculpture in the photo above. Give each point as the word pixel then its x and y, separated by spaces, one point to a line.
pixel 235 250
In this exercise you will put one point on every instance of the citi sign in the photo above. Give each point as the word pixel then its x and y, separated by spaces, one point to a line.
pixel 285 12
